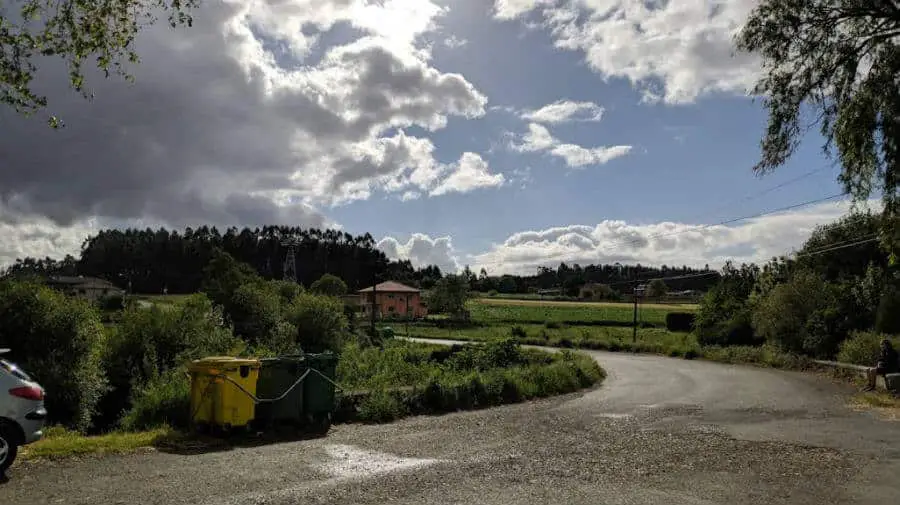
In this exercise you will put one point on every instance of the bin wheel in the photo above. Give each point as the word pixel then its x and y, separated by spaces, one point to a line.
pixel 321 423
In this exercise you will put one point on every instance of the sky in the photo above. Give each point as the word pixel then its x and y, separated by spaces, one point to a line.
pixel 504 135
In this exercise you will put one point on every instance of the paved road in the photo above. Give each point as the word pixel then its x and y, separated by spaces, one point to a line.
pixel 659 431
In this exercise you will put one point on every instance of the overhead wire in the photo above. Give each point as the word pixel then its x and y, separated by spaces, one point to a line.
pixel 706 226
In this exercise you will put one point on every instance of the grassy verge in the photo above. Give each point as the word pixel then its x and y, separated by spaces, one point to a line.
pixel 603 338
pixel 403 378
pixel 649 340
pixel 61 443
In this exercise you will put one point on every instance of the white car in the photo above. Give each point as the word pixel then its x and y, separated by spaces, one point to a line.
pixel 22 412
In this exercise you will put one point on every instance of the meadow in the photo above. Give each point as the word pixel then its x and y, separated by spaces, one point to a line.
pixel 494 311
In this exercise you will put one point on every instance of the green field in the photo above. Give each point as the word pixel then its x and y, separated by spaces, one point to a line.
pixel 494 311
pixel 590 337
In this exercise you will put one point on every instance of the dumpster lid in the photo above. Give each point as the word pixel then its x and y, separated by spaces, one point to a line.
pixel 223 361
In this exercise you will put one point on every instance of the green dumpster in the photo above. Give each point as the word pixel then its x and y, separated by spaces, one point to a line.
pixel 318 390
pixel 281 401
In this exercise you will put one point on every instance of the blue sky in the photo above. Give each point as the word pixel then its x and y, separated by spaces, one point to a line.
pixel 426 124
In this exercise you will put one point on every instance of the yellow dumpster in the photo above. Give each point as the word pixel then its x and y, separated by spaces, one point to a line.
pixel 223 391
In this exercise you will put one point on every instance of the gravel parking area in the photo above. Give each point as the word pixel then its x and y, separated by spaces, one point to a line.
pixel 658 431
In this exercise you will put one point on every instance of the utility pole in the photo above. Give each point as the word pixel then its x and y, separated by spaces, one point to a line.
pixel 634 328
pixel 374 299
pixel 289 271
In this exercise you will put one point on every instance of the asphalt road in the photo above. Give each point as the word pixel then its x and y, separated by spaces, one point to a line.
pixel 658 431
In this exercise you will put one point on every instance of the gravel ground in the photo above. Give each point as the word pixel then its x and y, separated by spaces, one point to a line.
pixel 658 431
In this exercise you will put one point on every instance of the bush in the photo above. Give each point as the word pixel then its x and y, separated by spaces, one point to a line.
pixel 320 322
pixel 112 302
pixel 58 340
pixel 492 293
pixel 255 311
pixel 887 317
pixel 330 285
pixel 286 290
pixel 863 348
pixel 150 342
pixel 163 401
pixel 680 321
pixel 735 331
pixel 518 332
pixel 801 316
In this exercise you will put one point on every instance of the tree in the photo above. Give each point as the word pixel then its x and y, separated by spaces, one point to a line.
pixel 802 316
pixel 449 296
pixel 841 58
pixel 330 285
pixel 657 288
pixel 74 31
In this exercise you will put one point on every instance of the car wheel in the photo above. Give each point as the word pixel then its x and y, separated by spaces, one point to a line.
pixel 9 448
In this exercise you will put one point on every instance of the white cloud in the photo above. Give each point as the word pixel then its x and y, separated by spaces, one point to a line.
pixel 510 9
pixel 422 250
pixel 563 111
pixel 659 243
pixel 672 50
pixel 539 139
pixel 454 42
pixel 471 172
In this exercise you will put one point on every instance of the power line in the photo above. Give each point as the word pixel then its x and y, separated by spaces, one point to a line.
pixel 774 188
pixel 836 248
pixel 707 226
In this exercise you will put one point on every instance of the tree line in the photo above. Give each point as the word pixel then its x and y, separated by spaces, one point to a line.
pixel 151 261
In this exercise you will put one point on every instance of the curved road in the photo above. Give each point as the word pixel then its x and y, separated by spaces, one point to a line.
pixel 659 431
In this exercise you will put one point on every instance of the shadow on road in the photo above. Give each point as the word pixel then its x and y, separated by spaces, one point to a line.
pixel 189 444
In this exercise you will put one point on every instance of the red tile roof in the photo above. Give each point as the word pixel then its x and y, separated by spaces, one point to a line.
pixel 390 287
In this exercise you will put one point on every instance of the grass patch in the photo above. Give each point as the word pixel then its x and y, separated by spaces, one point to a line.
pixel 656 340
pixel 61 443
pixel 493 311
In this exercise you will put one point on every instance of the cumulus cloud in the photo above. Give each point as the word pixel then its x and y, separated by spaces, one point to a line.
pixel 539 139
pixel 659 243
pixel 244 118
pixel 454 42
pixel 673 51
pixel 422 250
pixel 563 111
pixel 470 173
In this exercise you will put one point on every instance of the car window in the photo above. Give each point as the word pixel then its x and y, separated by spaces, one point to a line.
pixel 13 370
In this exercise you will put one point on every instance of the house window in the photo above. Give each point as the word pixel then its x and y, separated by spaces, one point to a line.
pixel 391 297
pixel 391 308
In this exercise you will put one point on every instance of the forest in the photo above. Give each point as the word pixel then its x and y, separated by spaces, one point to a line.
pixel 151 261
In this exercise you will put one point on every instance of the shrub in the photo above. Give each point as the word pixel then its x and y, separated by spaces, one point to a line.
pixel 863 348
pixel 330 285
pixel 680 321
pixel 150 342
pixel 552 325
pixel 735 331
pixel 287 290
pixel 255 311
pixel 381 406
pixel 58 340
pixel 492 293
pixel 112 302
pixel 320 322
pixel 800 316
pixel 163 401
pixel 887 317
pixel 518 332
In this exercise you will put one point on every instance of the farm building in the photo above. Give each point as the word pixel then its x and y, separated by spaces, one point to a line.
pixel 91 288
pixel 392 300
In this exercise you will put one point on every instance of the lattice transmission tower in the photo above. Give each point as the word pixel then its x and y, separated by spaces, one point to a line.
pixel 290 261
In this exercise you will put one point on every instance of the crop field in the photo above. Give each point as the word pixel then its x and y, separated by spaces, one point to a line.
pixel 493 311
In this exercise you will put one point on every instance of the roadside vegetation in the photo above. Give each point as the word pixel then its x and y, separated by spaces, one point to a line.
pixel 120 386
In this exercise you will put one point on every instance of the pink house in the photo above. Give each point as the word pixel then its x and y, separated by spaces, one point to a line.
pixel 393 299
